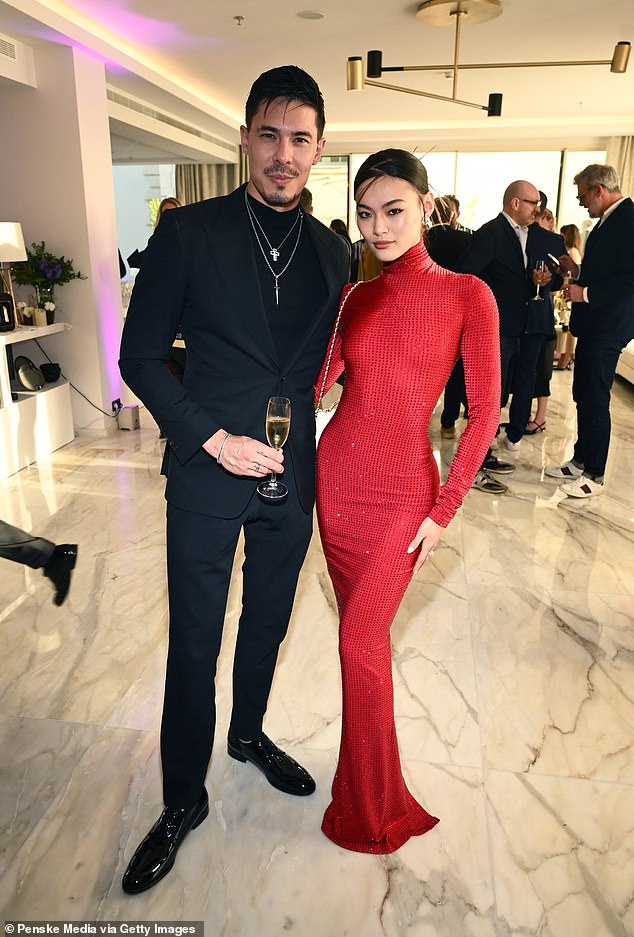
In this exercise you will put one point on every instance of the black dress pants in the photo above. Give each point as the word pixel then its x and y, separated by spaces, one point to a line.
pixel 595 367
pixel 455 395
pixel 17 545
pixel 508 349
pixel 524 369
pixel 200 552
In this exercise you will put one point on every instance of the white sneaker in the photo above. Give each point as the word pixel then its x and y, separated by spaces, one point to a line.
pixel 567 470
pixel 582 487
pixel 505 443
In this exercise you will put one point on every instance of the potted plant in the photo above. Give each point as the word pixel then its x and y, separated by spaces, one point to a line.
pixel 44 271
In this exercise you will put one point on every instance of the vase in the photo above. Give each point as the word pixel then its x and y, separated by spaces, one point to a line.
pixel 45 294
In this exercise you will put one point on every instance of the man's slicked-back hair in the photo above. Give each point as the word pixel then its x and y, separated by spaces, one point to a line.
pixel 286 83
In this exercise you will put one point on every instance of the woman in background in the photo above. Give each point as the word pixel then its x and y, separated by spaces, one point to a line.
pixel 567 342
pixel 340 228
pixel 136 257
pixel 380 505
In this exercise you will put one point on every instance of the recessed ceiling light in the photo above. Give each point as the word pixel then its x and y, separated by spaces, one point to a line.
pixel 311 15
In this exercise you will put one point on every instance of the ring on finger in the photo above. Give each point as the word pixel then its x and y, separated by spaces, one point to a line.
pixel 257 466
pixel 430 553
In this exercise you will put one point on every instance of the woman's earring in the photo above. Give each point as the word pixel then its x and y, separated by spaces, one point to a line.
pixel 427 220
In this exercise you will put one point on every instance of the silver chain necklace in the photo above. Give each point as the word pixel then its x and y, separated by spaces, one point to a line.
pixel 274 251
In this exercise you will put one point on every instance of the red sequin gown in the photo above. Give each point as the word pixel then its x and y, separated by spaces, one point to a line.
pixel 398 339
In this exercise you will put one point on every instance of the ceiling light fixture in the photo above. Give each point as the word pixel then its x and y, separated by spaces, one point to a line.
pixel 453 12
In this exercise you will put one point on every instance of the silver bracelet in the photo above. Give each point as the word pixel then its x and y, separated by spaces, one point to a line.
pixel 222 445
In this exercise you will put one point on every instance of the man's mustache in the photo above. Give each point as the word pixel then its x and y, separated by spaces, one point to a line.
pixel 279 170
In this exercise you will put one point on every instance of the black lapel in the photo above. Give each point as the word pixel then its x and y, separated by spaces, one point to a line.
pixel 325 247
pixel 513 239
pixel 231 247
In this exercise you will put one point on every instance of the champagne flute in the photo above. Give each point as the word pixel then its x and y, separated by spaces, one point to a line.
pixel 540 266
pixel 278 424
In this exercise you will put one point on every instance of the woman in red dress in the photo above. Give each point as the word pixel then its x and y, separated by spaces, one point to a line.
pixel 380 505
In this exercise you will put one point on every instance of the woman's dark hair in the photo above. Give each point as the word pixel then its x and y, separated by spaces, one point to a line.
pixel 289 83
pixel 572 235
pixel 399 164
pixel 340 227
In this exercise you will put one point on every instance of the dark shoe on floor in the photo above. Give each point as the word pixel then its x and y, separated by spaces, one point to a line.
pixel 493 464
pixel 532 427
pixel 448 432
pixel 156 854
pixel 59 569
pixel 278 768
pixel 484 481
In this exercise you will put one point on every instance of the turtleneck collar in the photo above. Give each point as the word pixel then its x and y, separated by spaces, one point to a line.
pixel 415 259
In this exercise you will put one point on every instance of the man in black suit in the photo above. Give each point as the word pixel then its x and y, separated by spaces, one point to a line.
pixel 445 244
pixel 498 254
pixel 253 283
pixel 539 326
pixel 603 321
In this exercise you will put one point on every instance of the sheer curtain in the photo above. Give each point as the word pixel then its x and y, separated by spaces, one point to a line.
pixel 621 155
pixel 198 181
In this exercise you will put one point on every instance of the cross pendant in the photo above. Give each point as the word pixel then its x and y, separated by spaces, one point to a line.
pixel 274 253
pixel 277 294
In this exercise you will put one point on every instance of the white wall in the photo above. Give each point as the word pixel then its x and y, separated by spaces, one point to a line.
pixel 56 174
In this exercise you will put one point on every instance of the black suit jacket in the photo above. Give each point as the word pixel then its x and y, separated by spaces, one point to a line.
pixel 608 272
pixel 541 312
pixel 199 277
pixel 495 255
pixel 446 245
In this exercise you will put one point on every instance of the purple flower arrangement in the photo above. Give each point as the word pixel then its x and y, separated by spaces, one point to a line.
pixel 42 269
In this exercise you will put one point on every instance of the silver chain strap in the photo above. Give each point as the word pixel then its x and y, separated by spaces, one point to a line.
pixel 332 346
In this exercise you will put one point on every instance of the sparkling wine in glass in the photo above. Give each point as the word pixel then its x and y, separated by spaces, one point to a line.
pixel 278 424
pixel 540 266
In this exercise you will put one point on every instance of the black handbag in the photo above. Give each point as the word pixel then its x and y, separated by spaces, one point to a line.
pixel 7 312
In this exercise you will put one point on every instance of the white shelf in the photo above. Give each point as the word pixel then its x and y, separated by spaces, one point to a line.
pixel 26 333
pixel 38 422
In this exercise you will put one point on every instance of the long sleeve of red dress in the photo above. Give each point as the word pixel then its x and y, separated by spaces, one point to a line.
pixel 398 339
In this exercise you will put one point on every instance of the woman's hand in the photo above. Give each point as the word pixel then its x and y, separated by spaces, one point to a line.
pixel 427 536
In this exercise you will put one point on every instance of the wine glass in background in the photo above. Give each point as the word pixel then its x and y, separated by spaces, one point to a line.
pixel 278 425
pixel 540 266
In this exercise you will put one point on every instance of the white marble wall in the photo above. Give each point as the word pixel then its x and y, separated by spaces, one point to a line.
pixel 514 694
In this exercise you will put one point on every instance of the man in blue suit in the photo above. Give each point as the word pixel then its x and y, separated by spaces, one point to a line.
pixel 603 321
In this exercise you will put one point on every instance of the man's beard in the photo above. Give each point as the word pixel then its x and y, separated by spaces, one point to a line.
pixel 277 199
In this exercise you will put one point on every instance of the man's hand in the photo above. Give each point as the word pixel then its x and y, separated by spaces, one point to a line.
pixel 542 277
pixel 567 263
pixel 573 292
pixel 242 455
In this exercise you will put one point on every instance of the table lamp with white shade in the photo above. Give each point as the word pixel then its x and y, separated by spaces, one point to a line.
pixel 12 250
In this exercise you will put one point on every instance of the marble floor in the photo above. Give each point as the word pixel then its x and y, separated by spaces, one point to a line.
pixel 514 676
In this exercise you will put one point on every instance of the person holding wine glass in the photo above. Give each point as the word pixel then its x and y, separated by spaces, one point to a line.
pixel 254 287
pixel 504 252
pixel 380 505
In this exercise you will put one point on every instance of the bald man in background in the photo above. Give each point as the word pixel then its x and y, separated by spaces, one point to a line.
pixel 497 253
